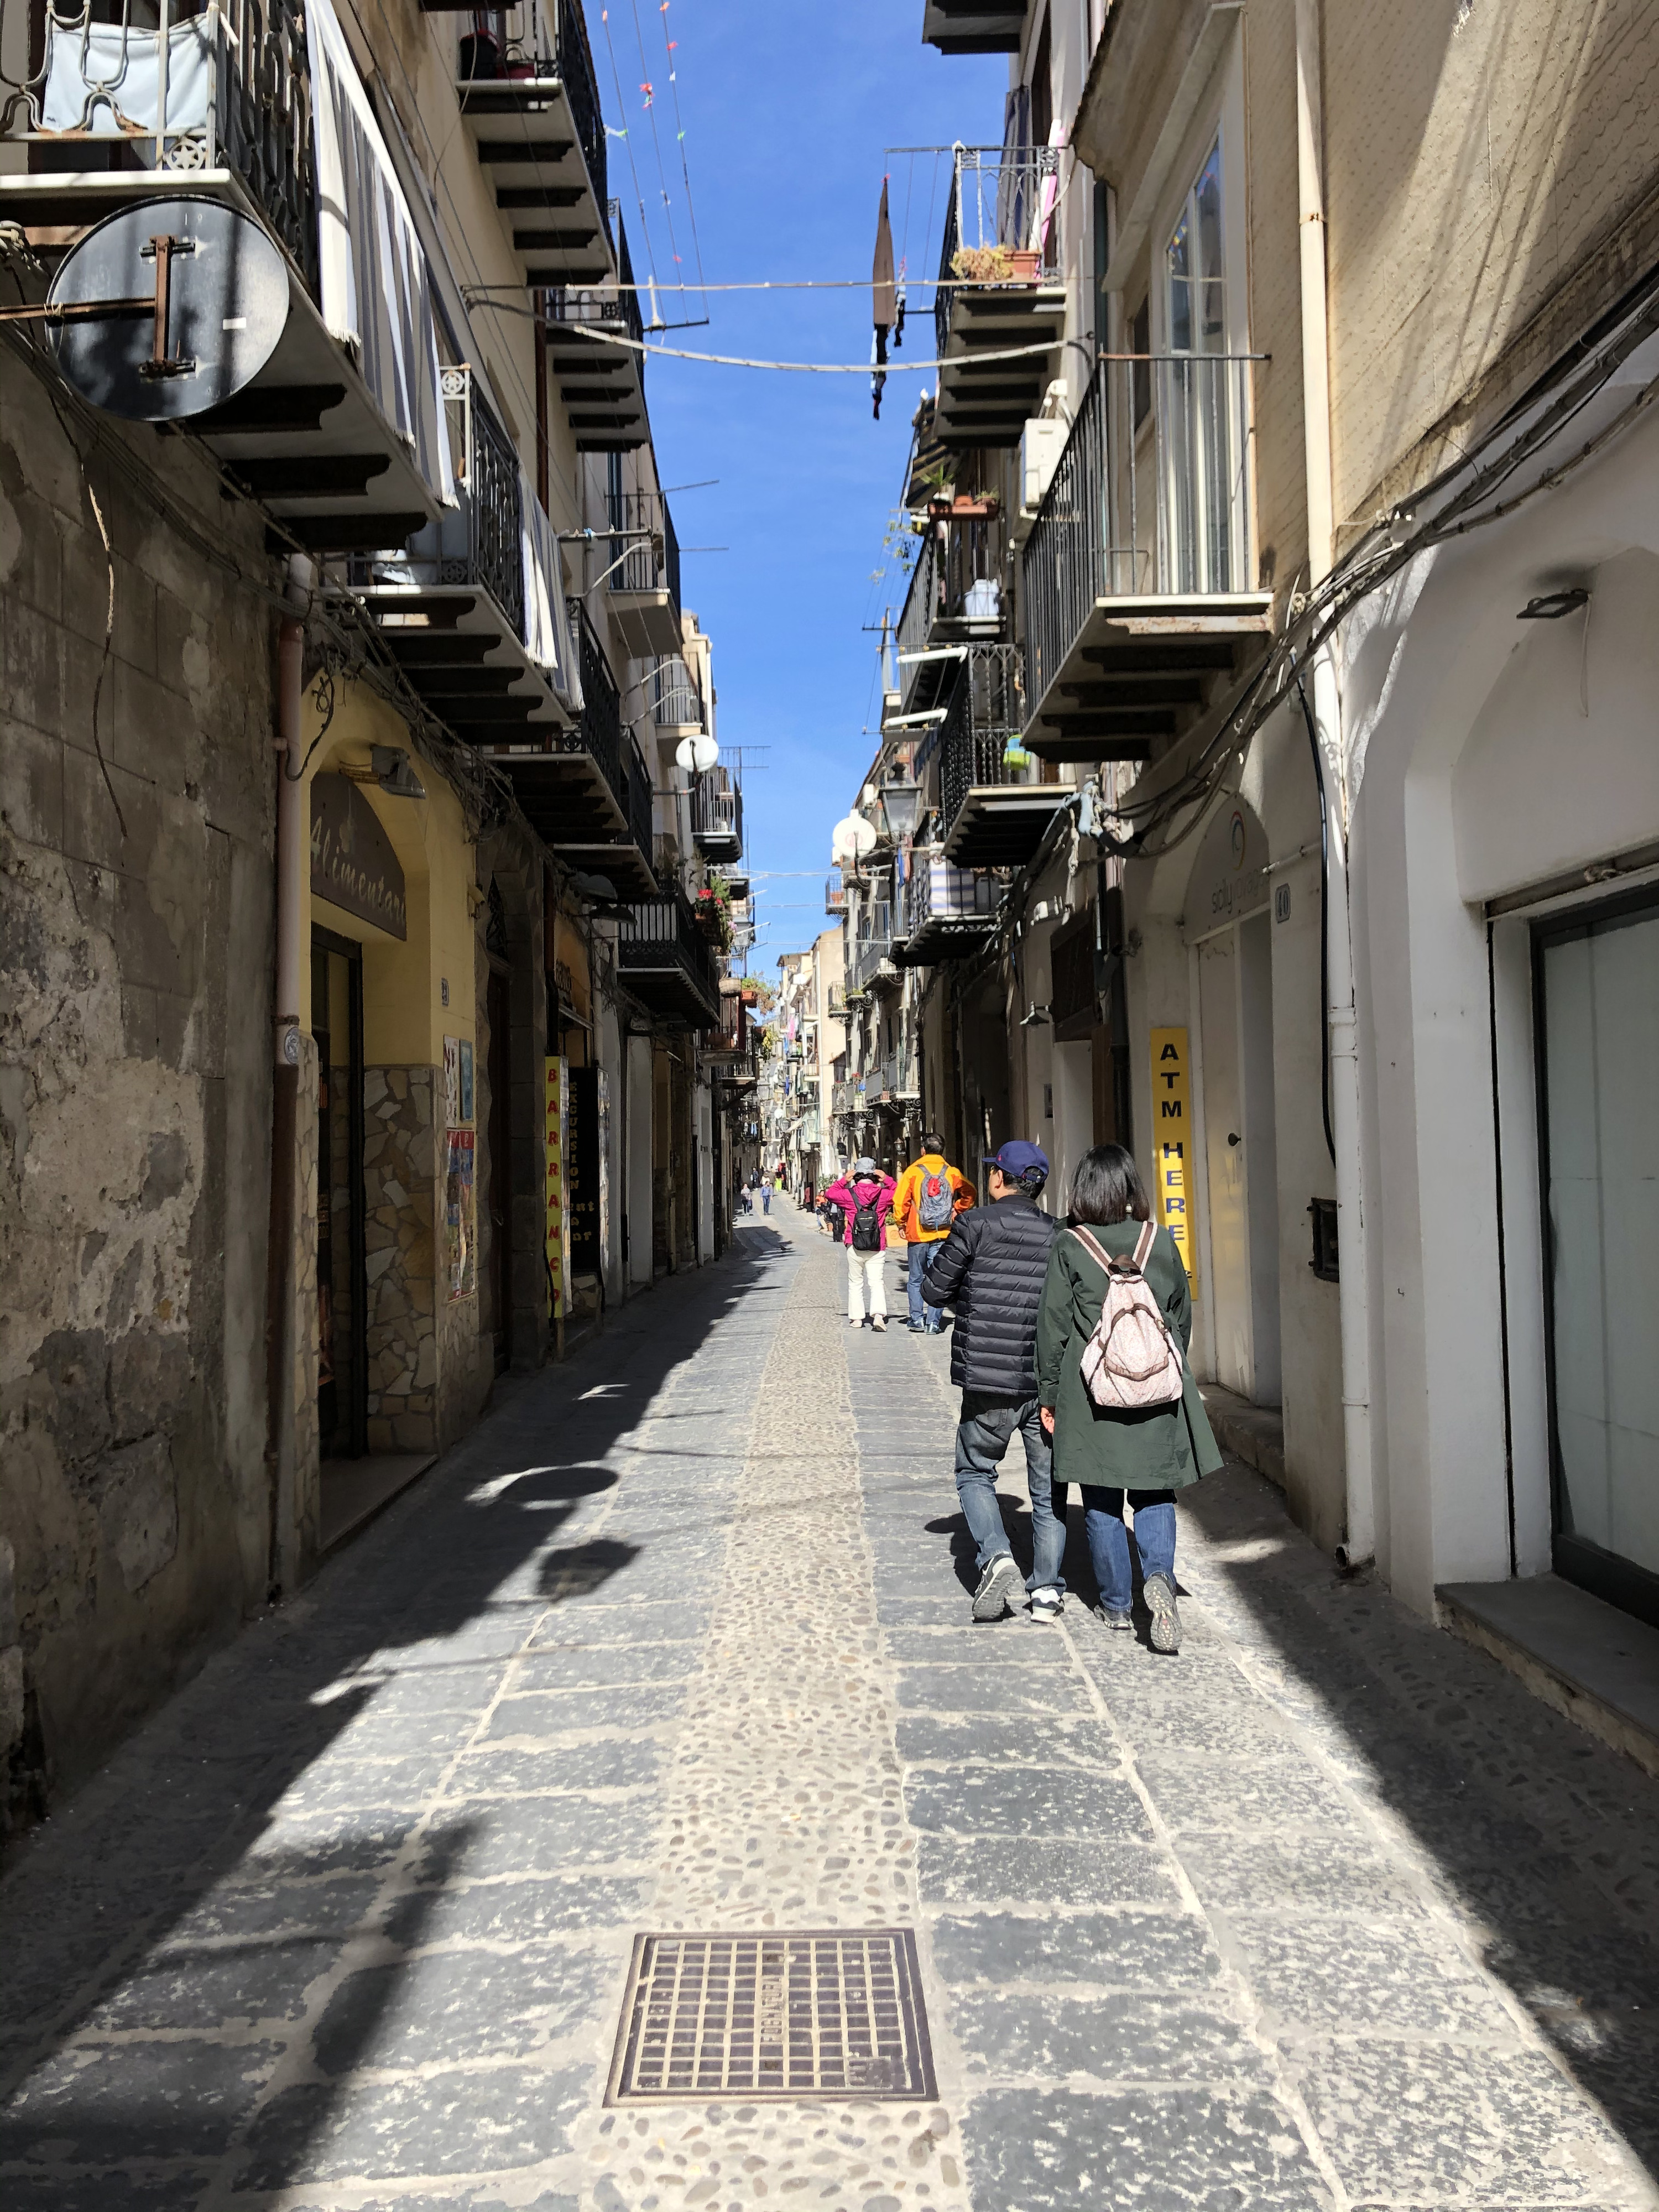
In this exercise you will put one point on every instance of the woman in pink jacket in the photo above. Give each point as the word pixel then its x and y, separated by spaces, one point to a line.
pixel 865 1199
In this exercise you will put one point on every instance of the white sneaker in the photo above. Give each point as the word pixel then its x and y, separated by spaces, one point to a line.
pixel 879 1322
pixel 1047 1604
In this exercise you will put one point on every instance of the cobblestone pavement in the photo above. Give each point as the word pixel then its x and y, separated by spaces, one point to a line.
pixel 1325 1912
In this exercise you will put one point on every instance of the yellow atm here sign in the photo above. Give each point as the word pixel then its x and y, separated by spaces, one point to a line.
pixel 1172 1141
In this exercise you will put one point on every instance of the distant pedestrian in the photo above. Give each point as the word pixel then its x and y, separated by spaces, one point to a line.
pixel 866 1198
pixel 766 1198
pixel 1142 1452
pixel 927 1198
pixel 992 1267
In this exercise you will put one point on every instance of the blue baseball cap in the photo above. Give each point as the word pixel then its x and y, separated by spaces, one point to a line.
pixel 1017 1158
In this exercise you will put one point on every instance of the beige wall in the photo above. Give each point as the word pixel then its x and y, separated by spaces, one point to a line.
pixel 1478 162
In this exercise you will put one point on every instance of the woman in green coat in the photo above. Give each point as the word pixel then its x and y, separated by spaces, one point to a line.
pixel 1147 1454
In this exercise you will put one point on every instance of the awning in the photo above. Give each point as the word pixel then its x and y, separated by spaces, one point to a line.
pixel 374 287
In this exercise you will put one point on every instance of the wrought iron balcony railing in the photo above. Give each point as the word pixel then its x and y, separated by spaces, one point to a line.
pixel 873 946
pixel 644 556
pixel 679 703
pixel 835 893
pixel 599 732
pixel 937 893
pixel 717 815
pixel 667 961
pixel 170 87
pixel 978 741
pixel 999 224
pixel 558 48
pixel 1151 496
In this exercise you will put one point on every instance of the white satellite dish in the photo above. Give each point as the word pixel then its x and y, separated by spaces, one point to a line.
pixel 697 753
pixel 851 838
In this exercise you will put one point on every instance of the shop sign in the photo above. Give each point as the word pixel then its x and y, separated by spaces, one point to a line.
pixel 353 864
pixel 1229 876
pixel 1172 1141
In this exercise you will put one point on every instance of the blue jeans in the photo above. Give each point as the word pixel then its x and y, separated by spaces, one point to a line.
pixel 931 1318
pixel 983 1435
pixel 1109 1540
pixel 766 1200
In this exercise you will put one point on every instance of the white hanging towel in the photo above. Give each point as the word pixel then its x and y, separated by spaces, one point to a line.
pixel 374 284
pixel 546 619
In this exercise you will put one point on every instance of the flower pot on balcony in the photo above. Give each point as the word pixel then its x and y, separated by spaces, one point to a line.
pixel 1026 264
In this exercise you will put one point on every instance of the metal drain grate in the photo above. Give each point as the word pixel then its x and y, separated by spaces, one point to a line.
pixel 832 2012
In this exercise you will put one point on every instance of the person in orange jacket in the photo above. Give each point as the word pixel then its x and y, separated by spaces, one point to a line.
pixel 928 1198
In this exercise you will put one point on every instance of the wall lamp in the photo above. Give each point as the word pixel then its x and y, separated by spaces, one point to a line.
pixel 1553 605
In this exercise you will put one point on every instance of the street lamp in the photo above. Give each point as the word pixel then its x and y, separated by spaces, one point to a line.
pixel 901 804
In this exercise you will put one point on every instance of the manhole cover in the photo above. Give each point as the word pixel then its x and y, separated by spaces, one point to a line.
pixel 833 2012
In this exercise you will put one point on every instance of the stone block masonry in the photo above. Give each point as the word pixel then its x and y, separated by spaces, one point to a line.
pixel 136 917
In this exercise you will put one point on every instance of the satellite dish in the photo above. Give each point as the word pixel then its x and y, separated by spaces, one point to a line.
pixel 196 298
pixel 851 838
pixel 697 753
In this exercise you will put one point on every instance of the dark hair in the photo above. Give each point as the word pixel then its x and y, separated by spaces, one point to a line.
pixel 1107 1187
pixel 932 1141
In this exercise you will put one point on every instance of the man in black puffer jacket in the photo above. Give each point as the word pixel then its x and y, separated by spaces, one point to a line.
pixel 992 1267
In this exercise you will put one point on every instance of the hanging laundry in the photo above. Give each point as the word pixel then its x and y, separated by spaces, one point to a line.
pixel 885 300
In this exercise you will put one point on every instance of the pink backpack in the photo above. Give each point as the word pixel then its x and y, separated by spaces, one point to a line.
pixel 1133 1360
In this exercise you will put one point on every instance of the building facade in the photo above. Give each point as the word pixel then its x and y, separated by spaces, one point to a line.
pixel 369 864
pixel 1261 781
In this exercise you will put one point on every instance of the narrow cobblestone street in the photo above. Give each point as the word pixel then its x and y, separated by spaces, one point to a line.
pixel 1326 1912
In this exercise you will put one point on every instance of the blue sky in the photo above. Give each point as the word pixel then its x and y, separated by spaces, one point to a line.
pixel 787 106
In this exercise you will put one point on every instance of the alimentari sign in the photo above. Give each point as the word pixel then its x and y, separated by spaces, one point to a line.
pixel 353 866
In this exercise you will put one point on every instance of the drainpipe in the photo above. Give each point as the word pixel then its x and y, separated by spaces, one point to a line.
pixel 281 1349
pixel 1359 1542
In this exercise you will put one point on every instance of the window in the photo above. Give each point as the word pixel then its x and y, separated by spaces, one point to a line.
pixel 1196 269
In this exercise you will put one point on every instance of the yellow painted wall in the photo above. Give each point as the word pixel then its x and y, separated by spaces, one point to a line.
pixel 404 1019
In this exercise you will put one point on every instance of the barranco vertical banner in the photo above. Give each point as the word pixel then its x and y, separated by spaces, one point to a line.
pixel 557 1102
pixel 1172 1141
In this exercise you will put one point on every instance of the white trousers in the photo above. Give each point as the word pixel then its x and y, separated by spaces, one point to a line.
pixel 864 1269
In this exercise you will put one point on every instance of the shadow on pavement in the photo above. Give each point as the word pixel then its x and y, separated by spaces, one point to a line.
pixel 200 1883
pixel 1546 1839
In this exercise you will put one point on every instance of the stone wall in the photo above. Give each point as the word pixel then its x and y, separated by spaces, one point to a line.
pixel 136 950
pixel 400 1167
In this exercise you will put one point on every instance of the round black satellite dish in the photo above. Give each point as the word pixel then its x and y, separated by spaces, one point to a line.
pixel 226 299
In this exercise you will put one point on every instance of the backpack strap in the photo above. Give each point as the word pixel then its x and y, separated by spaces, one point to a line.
pixel 1104 1259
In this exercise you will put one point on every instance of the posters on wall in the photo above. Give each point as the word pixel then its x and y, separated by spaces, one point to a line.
pixel 460 1216
pixel 604 1166
pixel 460 1161
pixel 556 1137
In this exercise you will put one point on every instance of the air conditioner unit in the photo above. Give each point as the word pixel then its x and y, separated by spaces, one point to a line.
pixel 1040 444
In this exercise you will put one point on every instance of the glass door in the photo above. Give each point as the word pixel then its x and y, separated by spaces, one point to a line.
pixel 1596 984
pixel 1199 438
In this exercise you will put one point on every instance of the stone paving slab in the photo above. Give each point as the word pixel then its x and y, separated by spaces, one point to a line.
pixel 1324 1912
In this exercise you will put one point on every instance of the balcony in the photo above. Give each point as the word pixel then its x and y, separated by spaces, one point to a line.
pixel 897 1083
pixel 536 130
pixel 601 382
pixel 586 790
pixel 948 913
pixel 871 966
pixel 677 708
pixel 473 612
pixel 342 440
pixel 835 894
pixel 999 288
pixel 1139 567
pixel 992 809
pixel 717 816
pixel 642 581
pixel 667 962
pixel 732 1040
pixel 971 27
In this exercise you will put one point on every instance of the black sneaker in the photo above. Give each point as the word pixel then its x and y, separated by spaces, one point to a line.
pixel 996 1588
pixel 1047 1604
pixel 1159 1593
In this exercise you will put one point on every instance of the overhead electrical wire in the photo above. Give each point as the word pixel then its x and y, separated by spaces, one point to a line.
pixel 670 45
pixel 639 189
pixel 594 336
pixel 651 110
